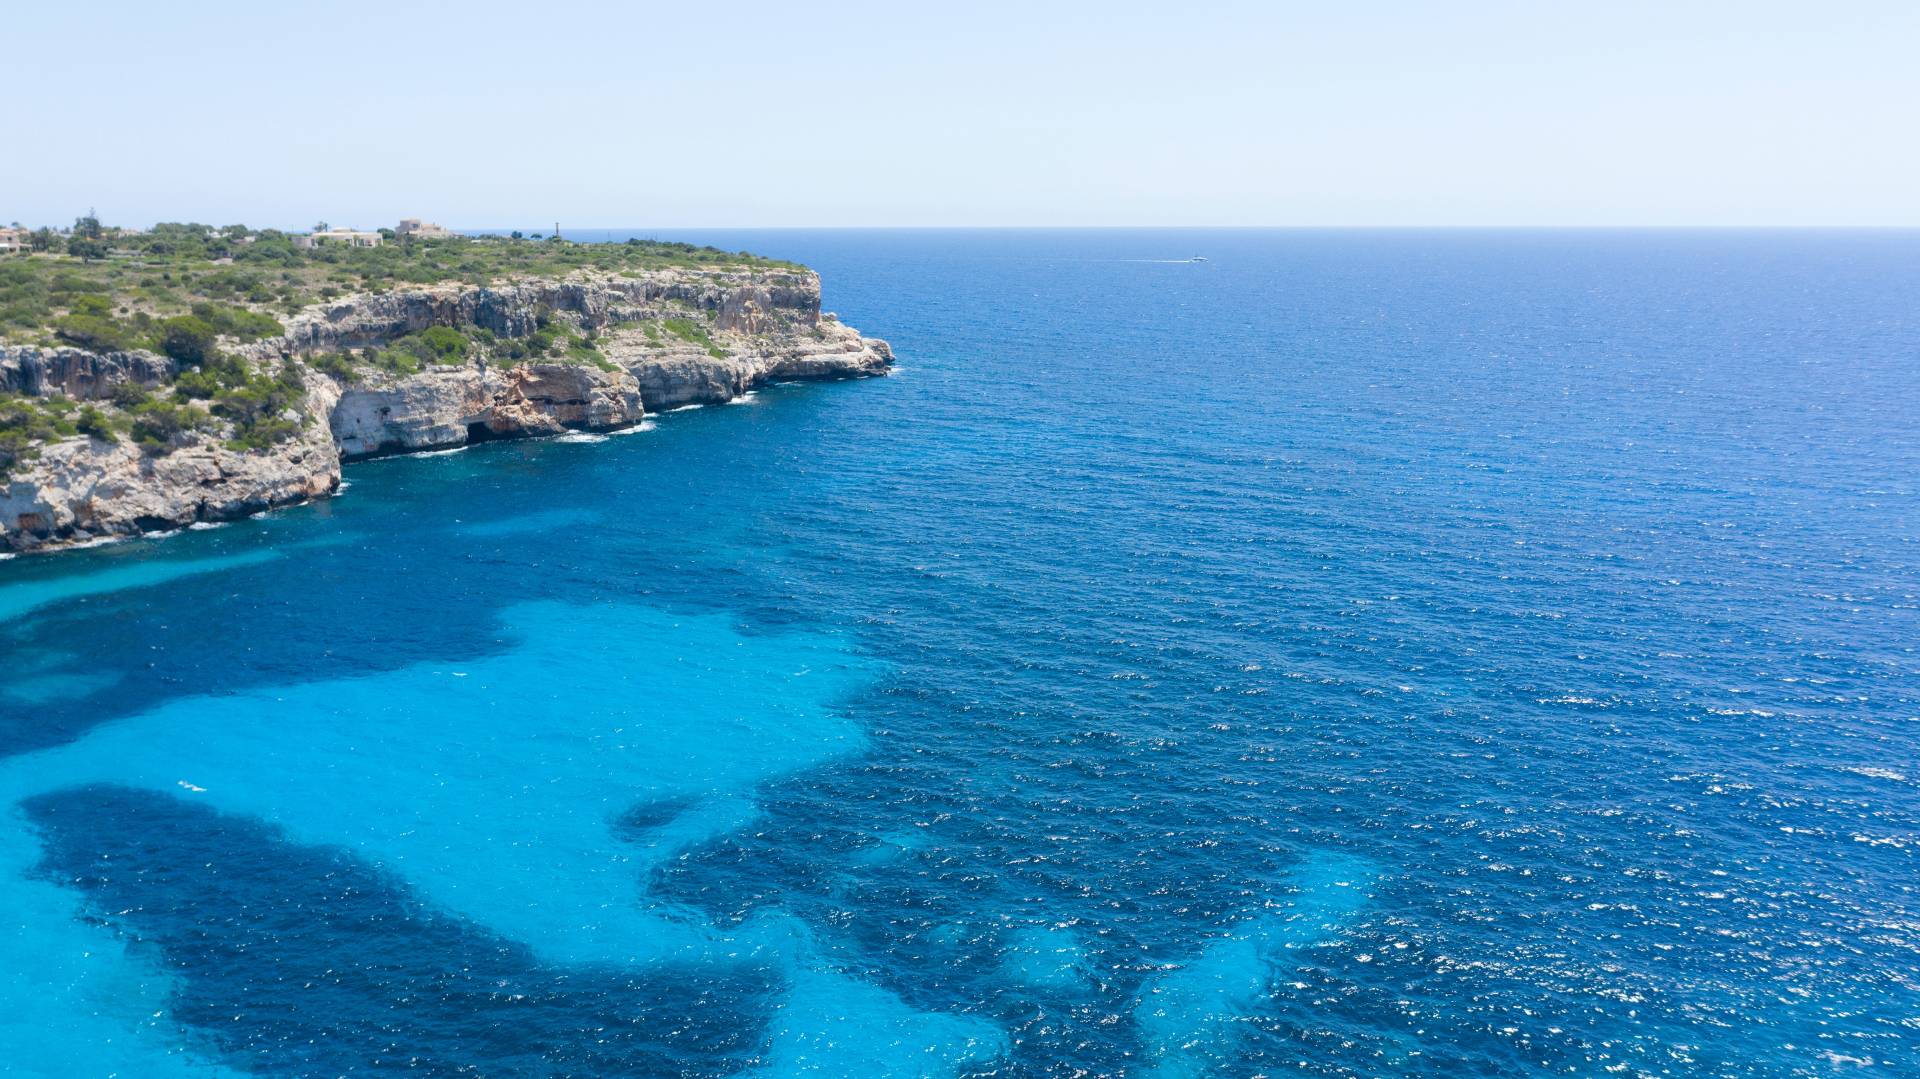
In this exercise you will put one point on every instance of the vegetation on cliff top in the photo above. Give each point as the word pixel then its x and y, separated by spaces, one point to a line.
pixel 184 290
pixel 105 288
pixel 250 409
pixel 551 341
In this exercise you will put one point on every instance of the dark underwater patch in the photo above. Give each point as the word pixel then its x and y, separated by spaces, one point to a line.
pixel 636 822
pixel 297 960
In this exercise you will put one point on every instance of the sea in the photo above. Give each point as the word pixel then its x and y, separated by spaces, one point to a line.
pixel 1210 653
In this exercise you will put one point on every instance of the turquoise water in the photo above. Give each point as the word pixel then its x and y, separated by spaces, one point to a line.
pixel 1356 654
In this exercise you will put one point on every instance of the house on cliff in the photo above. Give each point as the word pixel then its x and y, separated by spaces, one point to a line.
pixel 343 237
pixel 423 230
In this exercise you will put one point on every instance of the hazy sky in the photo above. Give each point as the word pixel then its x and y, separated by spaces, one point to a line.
pixel 749 113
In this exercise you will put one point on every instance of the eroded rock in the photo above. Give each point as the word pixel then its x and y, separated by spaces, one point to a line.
pixel 757 327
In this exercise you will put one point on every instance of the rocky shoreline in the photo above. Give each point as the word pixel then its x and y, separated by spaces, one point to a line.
pixel 753 328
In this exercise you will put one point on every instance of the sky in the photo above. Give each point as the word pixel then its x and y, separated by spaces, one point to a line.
pixel 760 114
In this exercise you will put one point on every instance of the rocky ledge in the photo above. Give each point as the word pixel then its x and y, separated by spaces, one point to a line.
pixel 643 343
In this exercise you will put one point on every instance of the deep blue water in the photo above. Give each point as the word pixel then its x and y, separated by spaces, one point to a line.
pixel 1451 653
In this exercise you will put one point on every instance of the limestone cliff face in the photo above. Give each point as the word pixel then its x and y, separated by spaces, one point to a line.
pixel 77 373
pixel 434 408
pixel 450 407
pixel 668 338
pixel 761 303
pixel 680 374
pixel 83 488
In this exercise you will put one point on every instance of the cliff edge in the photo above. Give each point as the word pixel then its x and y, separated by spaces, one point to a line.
pixel 393 372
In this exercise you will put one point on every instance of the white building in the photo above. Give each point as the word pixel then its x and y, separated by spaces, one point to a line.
pixel 343 237
pixel 424 230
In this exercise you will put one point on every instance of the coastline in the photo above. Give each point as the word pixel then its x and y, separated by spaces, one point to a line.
pixel 733 332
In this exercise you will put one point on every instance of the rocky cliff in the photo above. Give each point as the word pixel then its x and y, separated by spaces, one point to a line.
pixel 637 343
pixel 77 373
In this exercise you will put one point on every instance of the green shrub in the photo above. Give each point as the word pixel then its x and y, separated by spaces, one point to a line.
pixel 437 344
pixel 24 426
pixel 541 341
pixel 154 422
pixel 94 424
pixel 196 385
pixel 444 343
pixel 157 423
pixel 258 408
pixel 392 360
pixel 583 350
pixel 187 338
pixel 337 364
pixel 694 333
pixel 239 322
pixel 218 374
pixel 68 288
pixel 96 333
pixel 24 294
pixel 129 395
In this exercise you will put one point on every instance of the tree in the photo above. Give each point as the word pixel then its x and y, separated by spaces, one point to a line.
pixel 94 424
pixel 88 226
pixel 86 247
pixel 129 395
pixel 517 235
pixel 156 424
pixel 23 427
pixel 445 342
pixel 187 339
pixel 93 331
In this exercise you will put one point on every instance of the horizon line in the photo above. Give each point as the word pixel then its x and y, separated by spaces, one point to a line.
pixel 1349 227
pixel 1270 228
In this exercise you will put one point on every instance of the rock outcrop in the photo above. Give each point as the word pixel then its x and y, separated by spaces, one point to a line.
pixel 77 373
pixel 452 406
pixel 663 339
pixel 424 411
pixel 761 303
pixel 685 373
pixel 81 488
